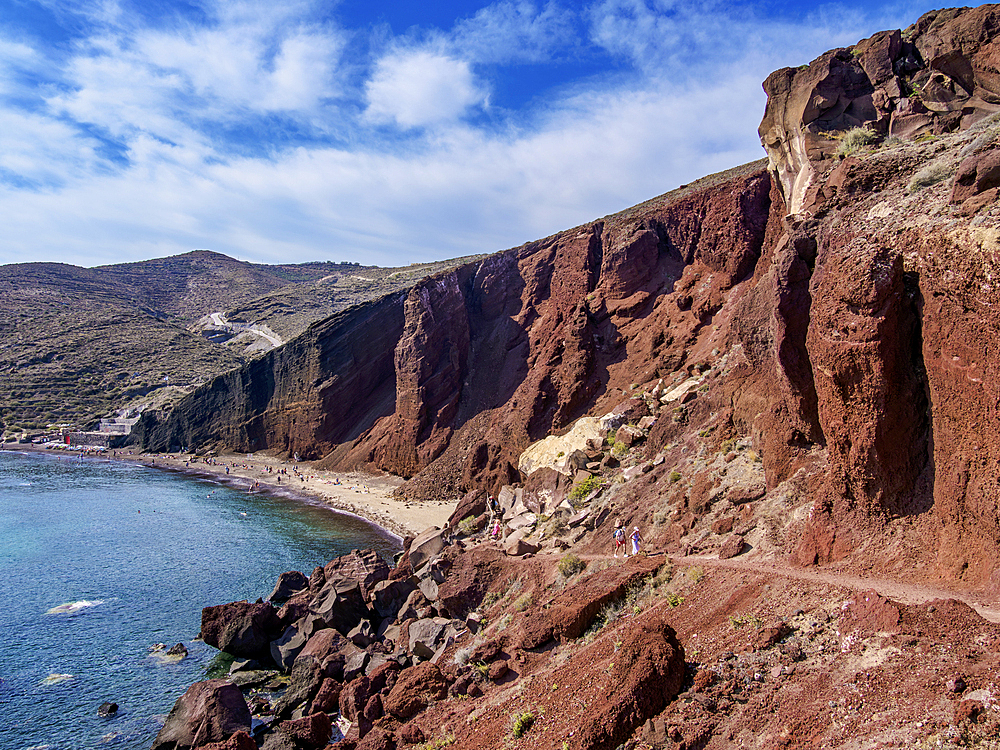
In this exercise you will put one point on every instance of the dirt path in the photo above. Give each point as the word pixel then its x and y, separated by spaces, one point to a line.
pixel 905 593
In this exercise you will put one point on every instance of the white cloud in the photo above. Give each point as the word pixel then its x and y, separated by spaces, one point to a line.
pixel 418 87
pixel 514 32
pixel 687 104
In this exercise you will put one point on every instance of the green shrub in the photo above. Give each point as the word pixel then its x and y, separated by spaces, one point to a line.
pixel 738 621
pixel 695 574
pixel 930 175
pixel 571 565
pixel 523 602
pixel 583 489
pixel 522 723
pixel 468 525
pixel 619 449
pixel 675 476
pixel 854 140
pixel 673 600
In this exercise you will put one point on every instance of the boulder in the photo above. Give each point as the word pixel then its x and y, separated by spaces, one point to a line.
pixel 429 588
pixel 355 665
pixel 424 636
pixel 388 597
pixel 976 174
pixel 545 489
pixel 287 647
pixel 289 583
pixel 562 453
pixel 516 545
pixel 364 566
pixel 209 711
pixel 426 545
pixel 521 521
pixel 472 504
pixel 362 635
pixel 328 697
pixel 731 546
pixel 324 656
pixel 340 604
pixel 310 732
pixel 241 628
pixel 414 690
pixel 107 709
pixel 316 580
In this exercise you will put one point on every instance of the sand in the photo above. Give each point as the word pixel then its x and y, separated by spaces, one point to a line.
pixel 364 495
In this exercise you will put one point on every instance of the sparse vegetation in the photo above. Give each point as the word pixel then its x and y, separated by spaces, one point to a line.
pixel 468 525
pixel 581 490
pixel 523 602
pixel 674 600
pixel 695 574
pixel 461 657
pixel 854 140
pixel 932 174
pixel 522 723
pixel 489 600
pixel 503 622
pixel 675 477
pixel 738 621
pixel 570 565
pixel 439 743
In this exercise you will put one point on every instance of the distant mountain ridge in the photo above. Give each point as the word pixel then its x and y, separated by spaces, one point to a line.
pixel 79 343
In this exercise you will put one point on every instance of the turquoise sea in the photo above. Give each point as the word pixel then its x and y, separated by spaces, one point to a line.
pixel 99 560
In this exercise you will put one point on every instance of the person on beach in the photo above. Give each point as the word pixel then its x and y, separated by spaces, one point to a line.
pixel 619 536
pixel 636 540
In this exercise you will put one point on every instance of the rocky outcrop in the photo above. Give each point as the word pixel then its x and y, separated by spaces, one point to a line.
pixel 936 76
pixel 210 711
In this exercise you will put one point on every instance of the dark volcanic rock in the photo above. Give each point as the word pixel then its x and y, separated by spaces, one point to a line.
pixel 364 566
pixel 209 711
pixel 340 604
pixel 241 628
pixel 288 584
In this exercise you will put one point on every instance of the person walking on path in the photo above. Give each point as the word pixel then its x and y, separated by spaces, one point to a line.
pixel 636 540
pixel 619 536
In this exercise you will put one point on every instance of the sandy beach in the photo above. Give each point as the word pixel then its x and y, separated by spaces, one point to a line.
pixel 364 495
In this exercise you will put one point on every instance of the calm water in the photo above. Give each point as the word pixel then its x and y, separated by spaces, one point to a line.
pixel 140 552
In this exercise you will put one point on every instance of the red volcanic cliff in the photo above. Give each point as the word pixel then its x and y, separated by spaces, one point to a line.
pixel 842 302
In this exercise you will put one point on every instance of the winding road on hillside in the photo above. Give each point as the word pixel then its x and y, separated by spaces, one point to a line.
pixel 219 319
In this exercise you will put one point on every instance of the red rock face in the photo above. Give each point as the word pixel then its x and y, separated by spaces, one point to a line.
pixel 940 76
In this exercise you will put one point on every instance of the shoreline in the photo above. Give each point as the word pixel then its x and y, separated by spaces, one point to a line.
pixel 364 496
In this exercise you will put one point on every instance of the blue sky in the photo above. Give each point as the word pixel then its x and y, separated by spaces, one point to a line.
pixel 373 131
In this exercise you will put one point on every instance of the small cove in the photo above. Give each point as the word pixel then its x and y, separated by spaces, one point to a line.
pixel 134 553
